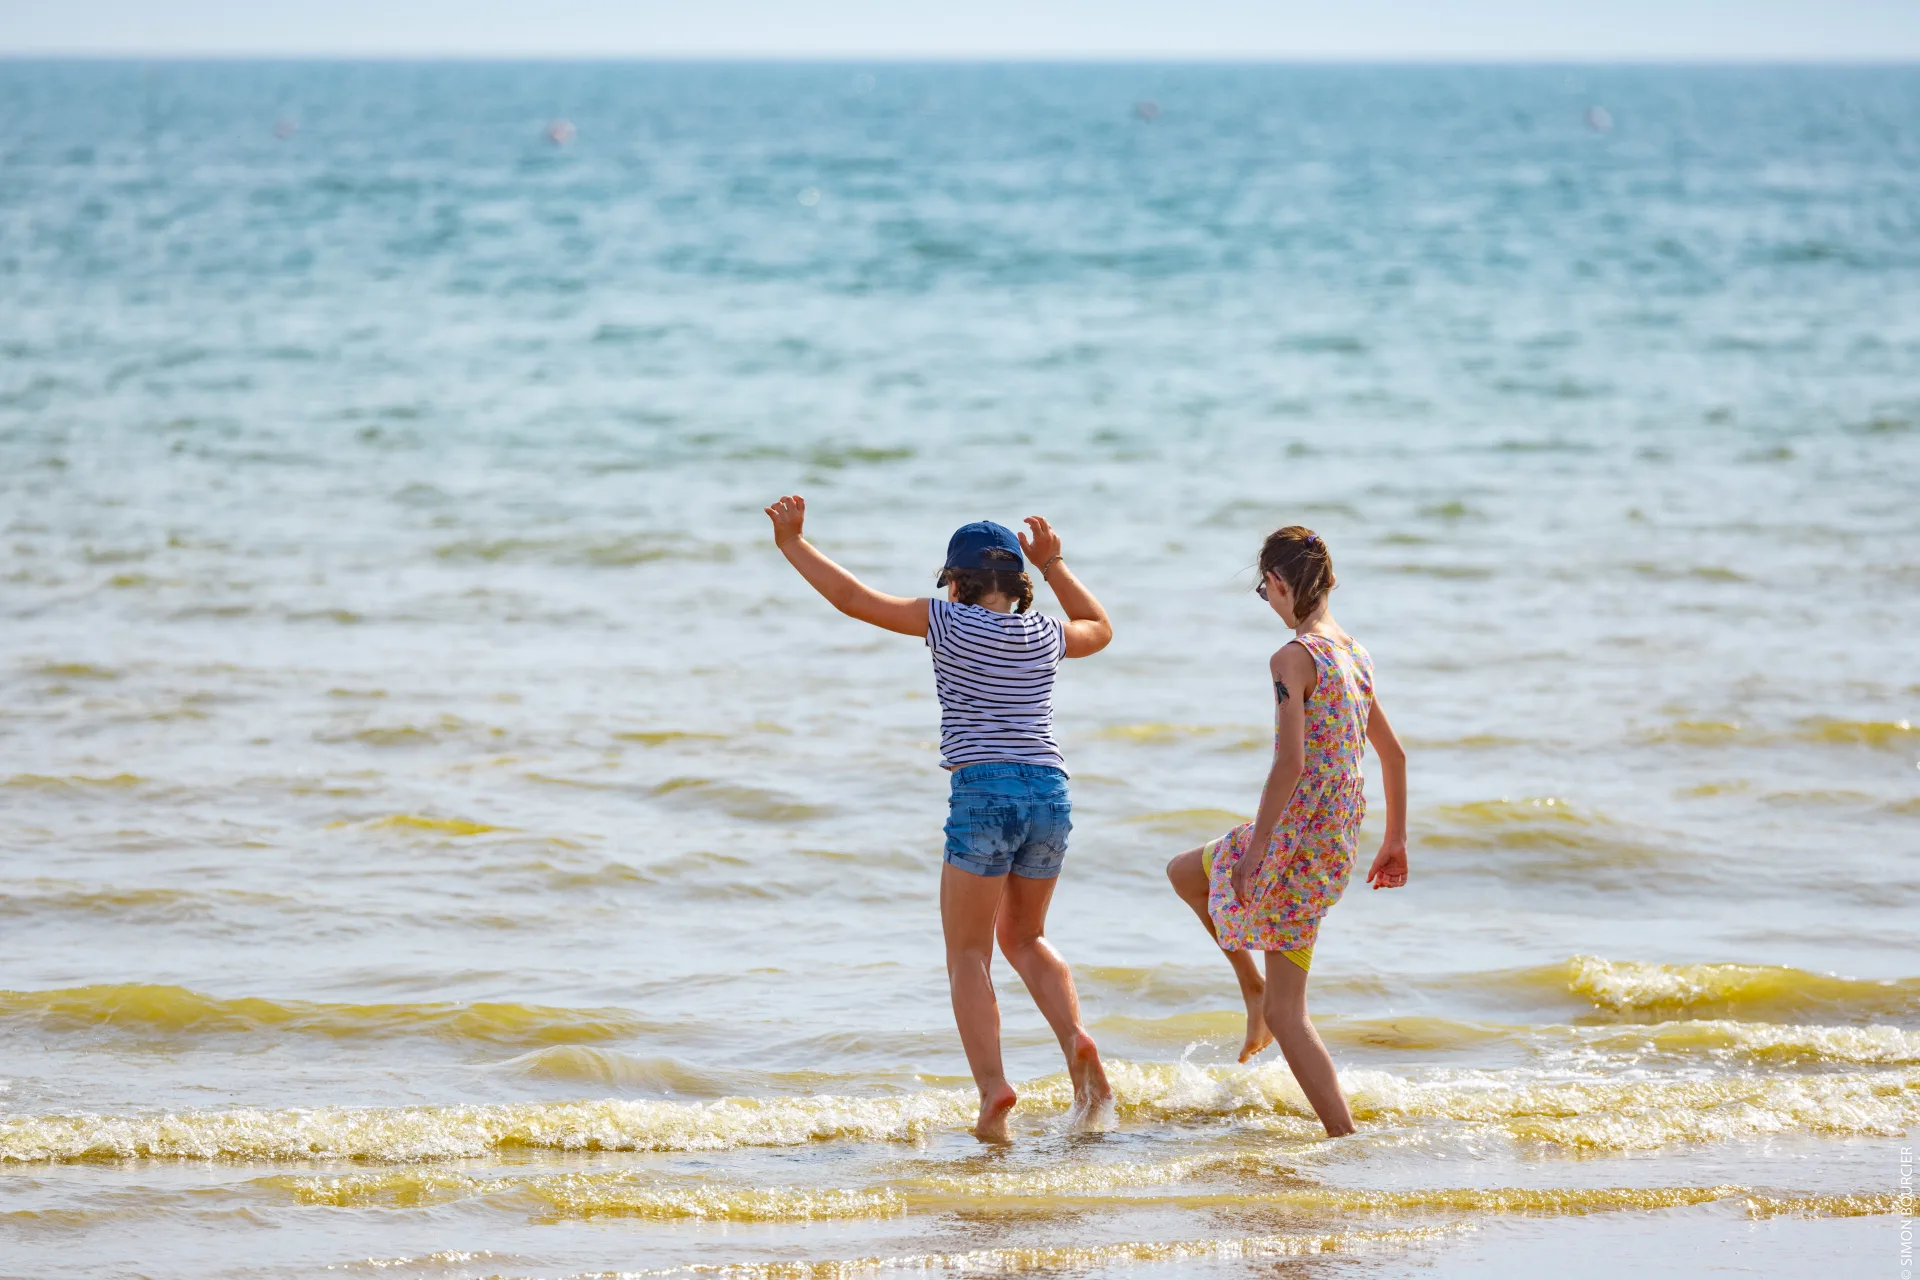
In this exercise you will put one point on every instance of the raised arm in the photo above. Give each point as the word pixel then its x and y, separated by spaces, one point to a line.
pixel 1389 869
pixel 843 591
pixel 1294 677
pixel 1087 630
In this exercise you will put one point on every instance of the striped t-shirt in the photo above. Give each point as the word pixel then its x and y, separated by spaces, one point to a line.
pixel 994 673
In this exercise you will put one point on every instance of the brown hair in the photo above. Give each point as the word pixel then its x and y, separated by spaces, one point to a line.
pixel 1301 559
pixel 971 584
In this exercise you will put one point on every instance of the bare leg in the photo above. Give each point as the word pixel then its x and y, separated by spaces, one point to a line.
pixel 1022 932
pixel 1189 880
pixel 968 905
pixel 1312 1064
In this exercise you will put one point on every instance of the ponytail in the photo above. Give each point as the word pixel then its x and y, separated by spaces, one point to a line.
pixel 1300 558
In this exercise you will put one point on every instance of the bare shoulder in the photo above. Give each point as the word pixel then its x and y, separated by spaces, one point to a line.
pixel 1290 659
pixel 1293 674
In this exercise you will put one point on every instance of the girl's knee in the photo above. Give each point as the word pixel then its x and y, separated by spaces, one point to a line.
pixel 1016 943
pixel 969 956
pixel 1284 1008
pixel 1185 875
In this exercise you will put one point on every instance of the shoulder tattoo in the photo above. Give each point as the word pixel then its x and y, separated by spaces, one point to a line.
pixel 1280 691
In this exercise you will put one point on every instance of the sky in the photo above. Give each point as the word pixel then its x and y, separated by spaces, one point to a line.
pixel 1691 30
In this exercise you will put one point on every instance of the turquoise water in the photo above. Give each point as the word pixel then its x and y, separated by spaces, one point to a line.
pixel 442 837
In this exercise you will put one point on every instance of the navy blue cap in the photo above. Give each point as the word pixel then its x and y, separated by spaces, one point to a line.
pixel 968 547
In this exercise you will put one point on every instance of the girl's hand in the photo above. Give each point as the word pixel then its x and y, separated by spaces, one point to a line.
pixel 1244 873
pixel 1389 865
pixel 1043 546
pixel 788 515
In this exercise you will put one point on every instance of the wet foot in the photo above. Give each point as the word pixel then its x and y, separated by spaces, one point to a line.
pixel 1092 1095
pixel 1258 1037
pixel 995 1106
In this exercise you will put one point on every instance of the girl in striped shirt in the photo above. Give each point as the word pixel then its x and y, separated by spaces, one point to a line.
pixel 1008 815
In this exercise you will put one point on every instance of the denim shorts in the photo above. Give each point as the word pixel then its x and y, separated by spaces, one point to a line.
pixel 1006 817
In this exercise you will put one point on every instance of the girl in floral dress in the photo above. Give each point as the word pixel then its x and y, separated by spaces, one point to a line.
pixel 1265 885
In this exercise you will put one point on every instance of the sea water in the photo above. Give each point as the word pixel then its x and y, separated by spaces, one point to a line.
pixel 442 837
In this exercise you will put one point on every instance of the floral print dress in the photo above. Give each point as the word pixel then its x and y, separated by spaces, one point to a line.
pixel 1312 852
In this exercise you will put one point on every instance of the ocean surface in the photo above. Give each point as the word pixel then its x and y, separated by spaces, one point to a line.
pixel 442 838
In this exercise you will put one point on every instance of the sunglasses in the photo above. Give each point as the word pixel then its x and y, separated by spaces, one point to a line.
pixel 1261 590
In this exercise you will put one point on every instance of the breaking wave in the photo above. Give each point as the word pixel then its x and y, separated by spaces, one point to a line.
pixel 1522 1105
pixel 170 1010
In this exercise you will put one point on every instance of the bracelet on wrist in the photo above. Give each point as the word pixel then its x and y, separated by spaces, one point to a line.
pixel 1051 561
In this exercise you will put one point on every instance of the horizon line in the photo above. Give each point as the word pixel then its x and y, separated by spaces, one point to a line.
pixel 1403 59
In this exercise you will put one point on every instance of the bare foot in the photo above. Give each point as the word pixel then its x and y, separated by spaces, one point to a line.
pixel 1258 1037
pixel 995 1106
pixel 1092 1095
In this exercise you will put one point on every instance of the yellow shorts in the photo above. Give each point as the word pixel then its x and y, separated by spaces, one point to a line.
pixel 1303 957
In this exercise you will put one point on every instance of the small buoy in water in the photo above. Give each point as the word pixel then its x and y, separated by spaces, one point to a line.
pixel 809 196
pixel 1147 109
pixel 1599 119
pixel 561 132
pixel 284 129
